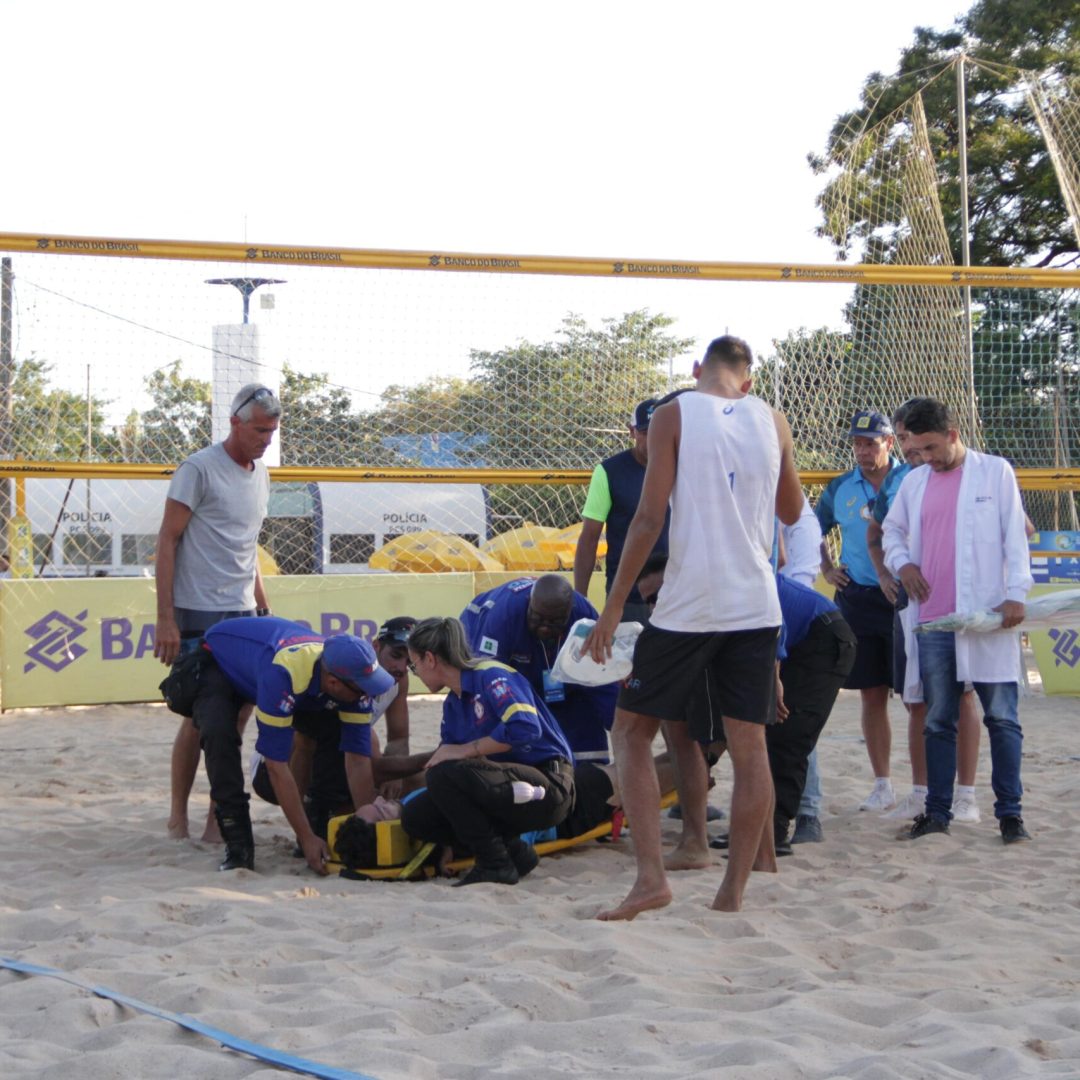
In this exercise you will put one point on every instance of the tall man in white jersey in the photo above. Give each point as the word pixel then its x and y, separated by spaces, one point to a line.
pixel 725 461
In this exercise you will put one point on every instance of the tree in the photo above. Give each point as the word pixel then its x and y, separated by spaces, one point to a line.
pixel 1024 346
pixel 50 423
pixel 1018 215
pixel 318 426
pixel 179 422
pixel 806 378
pixel 558 404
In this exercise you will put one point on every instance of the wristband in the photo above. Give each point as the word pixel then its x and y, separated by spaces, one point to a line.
pixel 262 612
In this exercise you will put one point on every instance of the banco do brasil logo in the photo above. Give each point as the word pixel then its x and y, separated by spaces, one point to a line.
pixel 54 641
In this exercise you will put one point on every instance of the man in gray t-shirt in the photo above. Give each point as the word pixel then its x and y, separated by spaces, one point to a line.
pixel 206 567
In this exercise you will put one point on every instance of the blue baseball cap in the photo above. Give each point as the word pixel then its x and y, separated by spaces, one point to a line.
pixel 643 414
pixel 353 661
pixel 870 424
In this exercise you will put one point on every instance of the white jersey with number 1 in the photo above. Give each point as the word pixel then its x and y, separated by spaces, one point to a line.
pixel 719 575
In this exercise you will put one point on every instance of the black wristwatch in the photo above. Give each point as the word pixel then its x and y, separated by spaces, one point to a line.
pixel 262 612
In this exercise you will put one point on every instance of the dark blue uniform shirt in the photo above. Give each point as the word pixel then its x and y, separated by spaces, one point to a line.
pixel 275 664
pixel 495 625
pixel 498 701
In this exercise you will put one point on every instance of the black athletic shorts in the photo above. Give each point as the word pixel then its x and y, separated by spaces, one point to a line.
pixel 866 609
pixel 670 668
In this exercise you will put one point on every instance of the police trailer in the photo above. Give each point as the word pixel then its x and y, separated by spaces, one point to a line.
pixel 109 527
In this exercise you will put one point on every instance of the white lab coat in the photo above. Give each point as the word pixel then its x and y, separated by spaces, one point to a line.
pixel 992 564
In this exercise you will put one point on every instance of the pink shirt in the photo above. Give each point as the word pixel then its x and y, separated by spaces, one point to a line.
pixel 938 523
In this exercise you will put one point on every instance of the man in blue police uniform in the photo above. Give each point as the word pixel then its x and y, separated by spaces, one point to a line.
pixel 816 652
pixel 614 491
pixel 281 667
pixel 523 624
pixel 848 503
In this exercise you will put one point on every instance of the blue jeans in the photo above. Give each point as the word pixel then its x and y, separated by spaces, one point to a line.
pixel 942 692
pixel 810 805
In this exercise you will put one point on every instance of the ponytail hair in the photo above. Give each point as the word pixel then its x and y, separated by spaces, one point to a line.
pixel 445 638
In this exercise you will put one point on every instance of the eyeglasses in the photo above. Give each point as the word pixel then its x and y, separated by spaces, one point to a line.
pixel 262 397
pixel 412 667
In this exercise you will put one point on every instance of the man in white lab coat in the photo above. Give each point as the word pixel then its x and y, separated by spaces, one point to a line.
pixel 955 537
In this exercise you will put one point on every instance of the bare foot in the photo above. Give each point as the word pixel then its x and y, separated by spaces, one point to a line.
pixel 637 901
pixel 178 829
pixel 688 857
pixel 727 900
pixel 212 834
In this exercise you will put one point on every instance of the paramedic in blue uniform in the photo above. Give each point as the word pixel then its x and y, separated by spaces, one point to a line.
pixel 848 503
pixel 281 667
pixel 502 766
pixel 612 499
pixel 815 654
pixel 523 623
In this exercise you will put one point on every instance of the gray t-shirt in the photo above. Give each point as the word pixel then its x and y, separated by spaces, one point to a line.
pixel 217 553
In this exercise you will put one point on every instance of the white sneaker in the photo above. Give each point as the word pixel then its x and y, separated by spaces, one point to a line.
pixel 909 807
pixel 881 798
pixel 966 809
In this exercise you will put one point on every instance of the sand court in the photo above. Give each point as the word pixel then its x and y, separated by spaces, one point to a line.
pixel 950 956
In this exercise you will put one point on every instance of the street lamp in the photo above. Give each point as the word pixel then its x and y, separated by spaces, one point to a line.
pixel 246 285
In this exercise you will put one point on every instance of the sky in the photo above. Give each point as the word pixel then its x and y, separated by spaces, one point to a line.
pixel 626 130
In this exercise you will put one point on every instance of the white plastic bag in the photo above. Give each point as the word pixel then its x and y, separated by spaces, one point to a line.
pixel 574 666
pixel 1055 610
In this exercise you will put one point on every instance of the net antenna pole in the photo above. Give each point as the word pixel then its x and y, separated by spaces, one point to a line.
pixel 965 244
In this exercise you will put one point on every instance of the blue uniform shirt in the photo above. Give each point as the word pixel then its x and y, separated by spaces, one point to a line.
pixel 799 606
pixel 498 701
pixel 887 493
pixel 275 663
pixel 848 502
pixel 495 625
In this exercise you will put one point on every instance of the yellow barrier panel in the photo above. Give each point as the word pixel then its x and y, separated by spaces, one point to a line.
pixel 1057 652
pixel 83 642
pixel 475 262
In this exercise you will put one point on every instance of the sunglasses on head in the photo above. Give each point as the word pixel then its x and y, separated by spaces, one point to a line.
pixel 262 396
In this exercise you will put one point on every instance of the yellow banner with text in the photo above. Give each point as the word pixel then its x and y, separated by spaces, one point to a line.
pixel 84 642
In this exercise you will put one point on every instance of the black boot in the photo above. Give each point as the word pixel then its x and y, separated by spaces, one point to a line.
pixel 493 864
pixel 239 842
pixel 522 855
pixel 780 837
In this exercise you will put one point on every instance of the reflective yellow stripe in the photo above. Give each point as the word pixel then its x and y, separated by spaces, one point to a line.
pixel 517 708
pixel 273 721
pixel 487 665
pixel 299 661
pixel 355 717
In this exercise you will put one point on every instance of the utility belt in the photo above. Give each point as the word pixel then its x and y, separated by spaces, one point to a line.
pixel 827 617
pixel 554 765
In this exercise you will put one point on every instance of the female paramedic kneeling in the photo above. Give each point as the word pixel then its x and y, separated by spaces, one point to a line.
pixel 502 768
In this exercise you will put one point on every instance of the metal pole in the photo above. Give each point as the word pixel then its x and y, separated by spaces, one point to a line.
pixel 89 534
pixel 7 399
pixel 965 245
